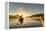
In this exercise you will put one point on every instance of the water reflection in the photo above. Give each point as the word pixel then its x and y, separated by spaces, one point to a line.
pixel 27 22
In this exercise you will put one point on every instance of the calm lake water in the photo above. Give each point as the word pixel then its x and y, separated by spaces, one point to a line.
pixel 15 23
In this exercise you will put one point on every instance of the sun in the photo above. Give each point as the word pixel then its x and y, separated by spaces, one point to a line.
pixel 22 13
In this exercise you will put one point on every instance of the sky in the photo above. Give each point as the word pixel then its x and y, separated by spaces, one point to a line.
pixel 25 8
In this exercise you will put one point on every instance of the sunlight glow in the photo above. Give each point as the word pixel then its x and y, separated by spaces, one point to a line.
pixel 21 11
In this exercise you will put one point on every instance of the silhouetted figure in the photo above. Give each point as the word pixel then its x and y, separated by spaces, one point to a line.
pixel 21 19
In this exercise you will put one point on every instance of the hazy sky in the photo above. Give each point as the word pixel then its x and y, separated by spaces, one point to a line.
pixel 25 8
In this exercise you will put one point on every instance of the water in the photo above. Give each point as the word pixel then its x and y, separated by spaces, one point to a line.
pixel 15 23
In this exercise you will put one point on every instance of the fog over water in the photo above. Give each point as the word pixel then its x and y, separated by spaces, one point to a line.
pixel 26 23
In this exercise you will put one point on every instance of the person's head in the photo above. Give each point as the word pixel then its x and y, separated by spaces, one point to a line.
pixel 21 15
